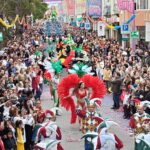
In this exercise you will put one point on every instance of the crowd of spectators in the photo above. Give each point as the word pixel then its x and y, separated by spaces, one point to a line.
pixel 126 73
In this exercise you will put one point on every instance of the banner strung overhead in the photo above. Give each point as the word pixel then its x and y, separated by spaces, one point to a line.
pixel 80 7
pixel 70 7
pixel 94 8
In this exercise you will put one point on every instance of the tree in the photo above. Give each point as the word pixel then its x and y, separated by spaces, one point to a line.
pixel 10 8
pixel 23 8
pixel 39 8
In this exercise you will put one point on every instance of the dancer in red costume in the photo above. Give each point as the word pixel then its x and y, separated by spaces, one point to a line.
pixel 87 86
pixel 80 92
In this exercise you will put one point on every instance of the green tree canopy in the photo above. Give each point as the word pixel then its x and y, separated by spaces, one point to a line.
pixel 10 8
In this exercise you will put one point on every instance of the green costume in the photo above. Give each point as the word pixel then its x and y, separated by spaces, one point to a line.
pixel 54 14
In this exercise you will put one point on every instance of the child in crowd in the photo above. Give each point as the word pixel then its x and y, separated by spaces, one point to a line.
pixel 9 141
pixel 126 103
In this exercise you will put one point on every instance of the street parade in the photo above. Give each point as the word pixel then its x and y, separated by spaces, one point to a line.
pixel 75 75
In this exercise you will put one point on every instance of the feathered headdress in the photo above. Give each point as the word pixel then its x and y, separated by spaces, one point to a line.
pixel 71 82
pixel 80 69
pixel 52 67
pixel 69 59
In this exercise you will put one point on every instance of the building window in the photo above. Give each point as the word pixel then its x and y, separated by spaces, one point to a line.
pixel 142 4
pixel 107 8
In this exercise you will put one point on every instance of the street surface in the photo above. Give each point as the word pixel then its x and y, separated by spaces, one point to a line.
pixel 71 134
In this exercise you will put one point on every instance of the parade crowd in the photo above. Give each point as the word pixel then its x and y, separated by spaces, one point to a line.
pixel 125 72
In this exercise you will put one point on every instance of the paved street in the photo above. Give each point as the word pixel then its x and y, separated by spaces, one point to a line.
pixel 71 134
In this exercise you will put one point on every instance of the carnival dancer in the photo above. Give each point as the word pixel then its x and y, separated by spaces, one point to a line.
pixel 137 121
pixel 90 117
pixel 80 92
pixel 94 127
pixel 53 70
pixel 49 135
pixel 108 141
pixel 87 86
pixel 55 82
pixel 143 139
pixel 53 13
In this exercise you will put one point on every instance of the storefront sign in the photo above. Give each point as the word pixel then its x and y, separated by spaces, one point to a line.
pixel 94 8
pixel 101 29
pixel 126 5
pixel 135 34
pixel 1 37
pixel 125 37
pixel 147 32
pixel 87 26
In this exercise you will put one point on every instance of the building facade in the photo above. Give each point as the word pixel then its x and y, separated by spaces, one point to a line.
pixel 111 15
pixel 142 11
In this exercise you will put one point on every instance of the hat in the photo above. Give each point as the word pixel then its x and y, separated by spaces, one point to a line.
pixel 107 124
pixel 141 104
pixel 93 102
pixel 49 114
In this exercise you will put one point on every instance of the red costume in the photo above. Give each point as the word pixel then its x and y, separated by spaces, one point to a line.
pixel 71 82
pixel 69 59
pixel 81 95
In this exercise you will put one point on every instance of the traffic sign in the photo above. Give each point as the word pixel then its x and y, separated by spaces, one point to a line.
pixel 135 34
pixel 1 37
pixel 125 27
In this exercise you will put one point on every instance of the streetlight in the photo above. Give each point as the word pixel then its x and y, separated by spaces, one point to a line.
pixel 134 28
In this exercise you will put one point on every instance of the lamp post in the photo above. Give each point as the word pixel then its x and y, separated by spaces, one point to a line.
pixel 134 28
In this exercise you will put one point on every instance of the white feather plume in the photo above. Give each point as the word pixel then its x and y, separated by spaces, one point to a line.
pixel 71 71
pixel 76 67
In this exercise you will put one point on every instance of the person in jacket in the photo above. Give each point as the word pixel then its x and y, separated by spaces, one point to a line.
pixel 116 89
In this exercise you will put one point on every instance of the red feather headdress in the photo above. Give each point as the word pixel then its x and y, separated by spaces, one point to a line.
pixel 71 82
